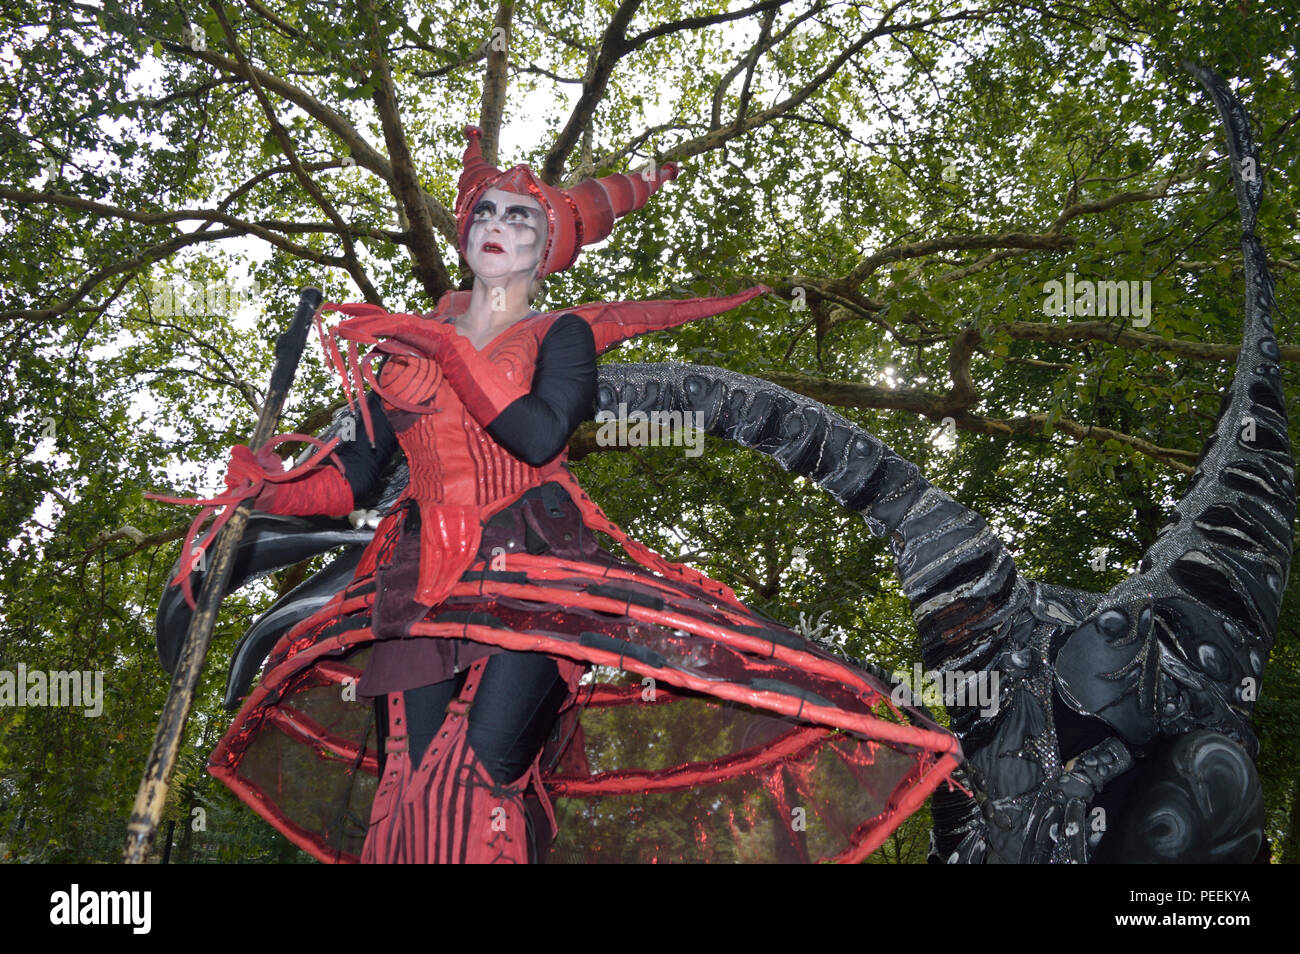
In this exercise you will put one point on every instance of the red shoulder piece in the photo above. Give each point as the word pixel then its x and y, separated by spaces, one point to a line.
pixel 614 322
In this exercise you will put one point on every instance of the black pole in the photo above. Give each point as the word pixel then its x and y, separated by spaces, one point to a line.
pixel 152 794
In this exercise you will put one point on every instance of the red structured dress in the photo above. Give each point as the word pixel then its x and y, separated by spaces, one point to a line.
pixel 695 729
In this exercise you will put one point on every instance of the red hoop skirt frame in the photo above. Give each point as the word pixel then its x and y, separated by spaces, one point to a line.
pixel 703 732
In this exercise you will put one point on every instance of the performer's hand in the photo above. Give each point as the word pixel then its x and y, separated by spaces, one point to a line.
pixel 425 338
pixel 310 489
pixel 247 468
pixel 1059 826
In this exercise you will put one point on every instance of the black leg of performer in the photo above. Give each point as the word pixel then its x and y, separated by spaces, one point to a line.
pixel 425 709
pixel 514 711
pixel 512 715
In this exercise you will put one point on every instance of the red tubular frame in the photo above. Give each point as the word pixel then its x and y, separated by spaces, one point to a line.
pixel 918 784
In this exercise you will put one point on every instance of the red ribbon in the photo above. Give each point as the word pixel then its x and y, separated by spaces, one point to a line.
pixel 245 479
pixel 408 335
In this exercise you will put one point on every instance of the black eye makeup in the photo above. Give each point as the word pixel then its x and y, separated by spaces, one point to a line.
pixel 521 214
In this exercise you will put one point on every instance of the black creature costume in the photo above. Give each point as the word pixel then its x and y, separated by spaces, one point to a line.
pixel 715 734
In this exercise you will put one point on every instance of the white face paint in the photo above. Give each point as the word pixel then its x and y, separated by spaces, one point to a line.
pixel 506 236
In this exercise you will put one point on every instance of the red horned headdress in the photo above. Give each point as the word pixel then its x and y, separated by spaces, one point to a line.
pixel 583 215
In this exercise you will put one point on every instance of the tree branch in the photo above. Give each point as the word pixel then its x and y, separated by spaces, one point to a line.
pixel 89 284
pixel 948 243
pixel 1133 340
pixel 495 83
pixel 425 257
pixel 613 46
pixel 141 541
pixel 351 263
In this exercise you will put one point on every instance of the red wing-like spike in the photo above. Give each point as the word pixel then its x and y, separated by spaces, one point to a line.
pixel 615 322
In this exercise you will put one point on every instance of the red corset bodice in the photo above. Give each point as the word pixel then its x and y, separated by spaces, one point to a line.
pixel 452 458
pixel 460 476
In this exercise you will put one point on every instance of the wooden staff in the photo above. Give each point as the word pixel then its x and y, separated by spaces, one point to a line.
pixel 149 800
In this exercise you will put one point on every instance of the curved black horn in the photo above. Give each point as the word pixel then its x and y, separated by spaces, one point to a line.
pixel 959 577
pixel 1182 643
